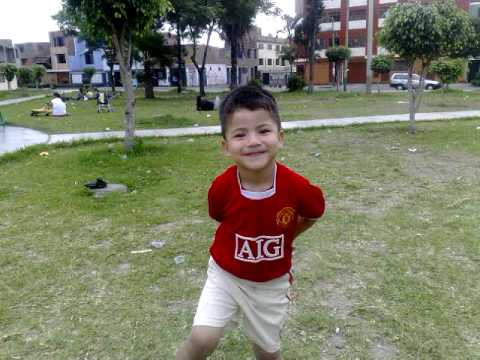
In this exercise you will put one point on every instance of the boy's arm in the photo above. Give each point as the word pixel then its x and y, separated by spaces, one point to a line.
pixel 303 224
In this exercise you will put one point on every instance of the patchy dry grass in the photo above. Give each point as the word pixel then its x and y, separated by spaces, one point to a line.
pixel 391 272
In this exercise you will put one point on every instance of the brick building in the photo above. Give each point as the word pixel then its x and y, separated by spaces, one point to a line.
pixel 333 28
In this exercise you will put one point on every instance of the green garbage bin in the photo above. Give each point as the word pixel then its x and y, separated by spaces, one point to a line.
pixel 3 120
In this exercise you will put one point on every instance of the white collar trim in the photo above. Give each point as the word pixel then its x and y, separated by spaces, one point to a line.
pixel 259 195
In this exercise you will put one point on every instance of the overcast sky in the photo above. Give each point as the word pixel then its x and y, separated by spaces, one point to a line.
pixel 31 20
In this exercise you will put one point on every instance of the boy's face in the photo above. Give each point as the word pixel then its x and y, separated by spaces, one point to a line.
pixel 252 139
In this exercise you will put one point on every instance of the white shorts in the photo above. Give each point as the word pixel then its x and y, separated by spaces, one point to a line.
pixel 264 305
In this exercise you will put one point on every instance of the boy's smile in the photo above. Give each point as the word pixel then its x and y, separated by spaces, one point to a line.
pixel 252 140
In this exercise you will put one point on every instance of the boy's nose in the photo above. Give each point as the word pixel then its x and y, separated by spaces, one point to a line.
pixel 253 140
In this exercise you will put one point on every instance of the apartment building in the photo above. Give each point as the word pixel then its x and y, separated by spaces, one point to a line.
pixel 247 59
pixel 62 47
pixel 8 55
pixel 34 53
pixel 333 30
pixel 215 66
pixel 271 68
pixel 86 57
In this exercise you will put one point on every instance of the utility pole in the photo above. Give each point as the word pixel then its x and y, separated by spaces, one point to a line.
pixel 347 29
pixel 369 45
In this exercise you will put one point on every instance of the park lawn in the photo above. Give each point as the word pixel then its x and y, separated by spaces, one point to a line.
pixel 170 109
pixel 19 93
pixel 391 271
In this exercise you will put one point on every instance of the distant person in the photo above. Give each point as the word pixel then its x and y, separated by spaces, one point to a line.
pixel 59 108
pixel 261 206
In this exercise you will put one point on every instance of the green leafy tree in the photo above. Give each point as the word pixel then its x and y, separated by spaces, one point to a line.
pixel 289 52
pixel 8 71
pixel 449 70
pixel 38 72
pixel 337 55
pixel 153 52
pixel 24 77
pixel 306 33
pixel 381 64
pixel 116 22
pixel 88 72
pixel 235 19
pixel 422 33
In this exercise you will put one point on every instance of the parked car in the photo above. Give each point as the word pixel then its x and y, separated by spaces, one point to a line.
pixel 400 81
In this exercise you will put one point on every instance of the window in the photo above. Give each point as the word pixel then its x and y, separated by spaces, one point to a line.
pixel 249 53
pixel 277 47
pixel 269 46
pixel 329 16
pixel 359 14
pixel 219 69
pixel 260 61
pixel 357 41
pixel 61 59
pixel 260 45
pixel 277 61
pixel 89 58
pixel 24 62
pixel 269 61
pixel 384 11
pixel 2 78
pixel 58 41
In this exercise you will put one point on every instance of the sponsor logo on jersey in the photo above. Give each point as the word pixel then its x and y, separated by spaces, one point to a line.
pixel 285 217
pixel 261 248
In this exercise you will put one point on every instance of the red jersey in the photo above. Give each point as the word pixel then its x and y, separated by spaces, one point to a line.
pixel 254 240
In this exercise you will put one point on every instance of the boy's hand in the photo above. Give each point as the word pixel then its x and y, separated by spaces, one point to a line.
pixel 303 224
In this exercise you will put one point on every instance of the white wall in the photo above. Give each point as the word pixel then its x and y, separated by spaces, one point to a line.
pixel 13 85
pixel 216 74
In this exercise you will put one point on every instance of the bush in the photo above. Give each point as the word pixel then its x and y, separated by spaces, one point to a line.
pixel 255 82
pixel 296 83
pixel 476 80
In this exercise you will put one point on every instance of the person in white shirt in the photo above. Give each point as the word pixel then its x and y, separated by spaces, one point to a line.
pixel 59 108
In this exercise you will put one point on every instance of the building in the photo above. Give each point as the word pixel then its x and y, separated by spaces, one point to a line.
pixel 84 57
pixel 62 47
pixel 333 28
pixel 215 66
pixel 34 53
pixel 8 55
pixel 247 59
pixel 271 69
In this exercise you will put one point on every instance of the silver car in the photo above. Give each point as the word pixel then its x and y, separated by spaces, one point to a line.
pixel 400 81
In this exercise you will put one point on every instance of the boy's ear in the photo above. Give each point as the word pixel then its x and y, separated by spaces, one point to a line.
pixel 281 136
pixel 225 147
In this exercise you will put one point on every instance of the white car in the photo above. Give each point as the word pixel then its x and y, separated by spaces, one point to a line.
pixel 400 81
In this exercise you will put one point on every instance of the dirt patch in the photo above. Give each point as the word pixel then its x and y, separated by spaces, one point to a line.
pixel 173 226
pixel 442 168
pixel 382 351
pixel 122 269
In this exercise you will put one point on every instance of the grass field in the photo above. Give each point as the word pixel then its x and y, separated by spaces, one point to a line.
pixel 170 109
pixel 13 94
pixel 390 272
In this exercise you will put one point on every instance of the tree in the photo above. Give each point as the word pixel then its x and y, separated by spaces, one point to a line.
pixel 337 55
pixel 235 19
pixel 422 33
pixel 88 72
pixel 449 70
pixel 289 52
pixel 381 64
pixel 116 22
pixel 202 19
pixel 9 71
pixel 153 52
pixel 306 33
pixel 38 72
pixel 24 77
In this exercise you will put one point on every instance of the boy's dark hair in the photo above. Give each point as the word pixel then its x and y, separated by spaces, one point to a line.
pixel 250 98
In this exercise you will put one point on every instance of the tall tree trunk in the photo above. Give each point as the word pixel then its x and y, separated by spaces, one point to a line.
pixel 233 54
pixel 148 73
pixel 411 91
pixel 124 55
pixel 311 59
pixel 179 58
pixel 111 76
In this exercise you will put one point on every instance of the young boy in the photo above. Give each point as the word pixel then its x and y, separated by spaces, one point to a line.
pixel 262 206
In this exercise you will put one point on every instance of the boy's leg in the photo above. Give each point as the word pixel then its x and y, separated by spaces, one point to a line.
pixel 260 354
pixel 202 342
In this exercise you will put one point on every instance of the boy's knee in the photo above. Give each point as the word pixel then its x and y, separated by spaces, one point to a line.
pixel 205 339
pixel 261 354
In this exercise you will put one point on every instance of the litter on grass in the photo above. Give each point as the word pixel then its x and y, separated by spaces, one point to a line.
pixel 412 150
pixel 180 259
pixel 143 251
pixel 158 244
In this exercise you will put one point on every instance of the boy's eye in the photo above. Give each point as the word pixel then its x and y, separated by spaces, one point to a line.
pixel 239 135
pixel 265 131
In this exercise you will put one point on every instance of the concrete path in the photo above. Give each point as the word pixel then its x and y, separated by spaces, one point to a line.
pixel 20 100
pixel 205 130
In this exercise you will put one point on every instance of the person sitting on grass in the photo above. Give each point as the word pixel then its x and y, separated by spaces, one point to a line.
pixel 59 108
pixel 261 206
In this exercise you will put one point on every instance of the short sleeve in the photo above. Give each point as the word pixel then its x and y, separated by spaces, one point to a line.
pixel 215 201
pixel 312 200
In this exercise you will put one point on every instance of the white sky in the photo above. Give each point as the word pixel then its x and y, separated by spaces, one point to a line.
pixel 31 20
